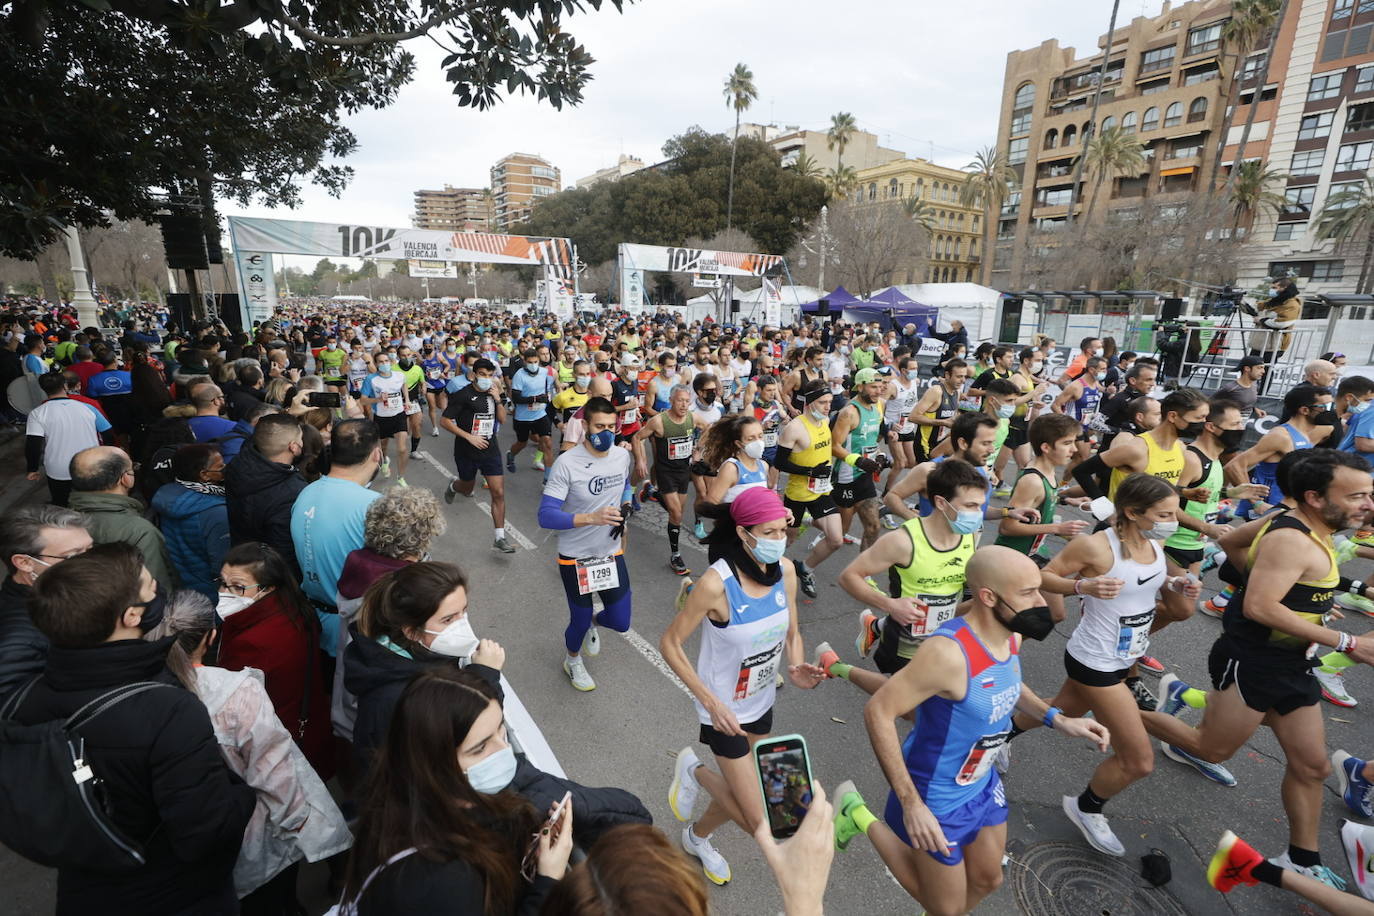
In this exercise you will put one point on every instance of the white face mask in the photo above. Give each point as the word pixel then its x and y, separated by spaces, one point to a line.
pixel 754 449
pixel 231 604
pixel 455 640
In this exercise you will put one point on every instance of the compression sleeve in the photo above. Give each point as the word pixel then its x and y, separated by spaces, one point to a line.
pixel 713 510
pixel 784 462
pixel 552 516
pixel 33 452
pixel 1086 474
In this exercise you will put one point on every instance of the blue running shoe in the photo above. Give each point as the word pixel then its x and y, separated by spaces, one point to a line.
pixel 1357 791
pixel 1171 689
pixel 1213 771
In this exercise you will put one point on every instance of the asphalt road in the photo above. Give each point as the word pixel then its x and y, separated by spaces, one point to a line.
pixel 627 731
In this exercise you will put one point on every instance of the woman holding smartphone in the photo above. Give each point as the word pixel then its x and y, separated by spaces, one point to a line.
pixel 440 829
pixel 746 608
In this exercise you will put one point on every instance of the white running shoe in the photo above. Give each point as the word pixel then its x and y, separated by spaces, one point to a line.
pixel 1358 840
pixel 1320 872
pixel 682 794
pixel 1094 828
pixel 1355 603
pixel 591 643
pixel 851 539
pixel 386 467
pixel 713 864
pixel 576 670
pixel 816 540
pixel 435 432
pixel 538 465
pixel 1333 687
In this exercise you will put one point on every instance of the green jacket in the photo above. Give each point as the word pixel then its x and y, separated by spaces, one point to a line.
pixel 112 517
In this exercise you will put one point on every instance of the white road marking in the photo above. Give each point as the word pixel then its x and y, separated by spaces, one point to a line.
pixel 514 533
pixel 654 519
pixel 646 649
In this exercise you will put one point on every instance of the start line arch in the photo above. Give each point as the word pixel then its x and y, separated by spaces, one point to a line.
pixel 635 260
pixel 255 241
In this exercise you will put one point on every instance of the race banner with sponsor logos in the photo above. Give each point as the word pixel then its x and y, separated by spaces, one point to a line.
pixel 257 284
pixel 433 270
pixel 696 260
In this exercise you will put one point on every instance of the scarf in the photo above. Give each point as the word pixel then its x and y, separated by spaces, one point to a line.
pixel 209 489
pixel 744 564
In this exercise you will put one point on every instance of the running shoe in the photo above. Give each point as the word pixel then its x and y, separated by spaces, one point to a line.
pixel 870 628
pixel 1320 872
pixel 1346 549
pixel 576 670
pixel 806 580
pixel 1355 603
pixel 449 493
pixel 435 432
pixel 1357 791
pixel 1151 665
pixel 1171 690
pixel 1364 537
pixel 1233 863
pixel 713 864
pixel 683 590
pixel 678 565
pixel 591 643
pixel 1211 608
pixel 699 530
pixel 1213 771
pixel 538 464
pixel 1333 687
pixel 386 467
pixel 502 545
pixel 648 494
pixel 635 503
pixel 682 794
pixel 825 657
pixel 851 539
pixel 401 482
pixel 1144 699
pixel 1003 493
pixel 510 461
pixel 849 800
pixel 891 521
pixel 1358 840
pixel 1094 828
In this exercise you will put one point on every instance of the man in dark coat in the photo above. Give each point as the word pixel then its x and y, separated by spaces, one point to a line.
pixel 263 482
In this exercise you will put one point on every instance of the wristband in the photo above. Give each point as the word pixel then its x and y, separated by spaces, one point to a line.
pixel 1006 513
pixel 1050 715
pixel 1357 587
pixel 1342 642
pixel 851 459
pixel 1077 585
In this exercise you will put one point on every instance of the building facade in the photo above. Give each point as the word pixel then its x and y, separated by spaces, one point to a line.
pixel 625 165
pixel 1314 125
pixel 517 181
pixel 453 209
pixel 861 152
pixel 956 231
pixel 1162 83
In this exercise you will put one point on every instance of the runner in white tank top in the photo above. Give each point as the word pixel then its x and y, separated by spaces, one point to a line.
pixel 1113 633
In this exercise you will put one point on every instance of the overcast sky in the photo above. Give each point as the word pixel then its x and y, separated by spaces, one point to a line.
pixel 925 77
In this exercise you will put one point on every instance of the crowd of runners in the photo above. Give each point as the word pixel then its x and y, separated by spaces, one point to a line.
pixel 1110 493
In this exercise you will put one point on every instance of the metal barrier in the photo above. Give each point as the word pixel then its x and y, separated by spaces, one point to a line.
pixel 1209 355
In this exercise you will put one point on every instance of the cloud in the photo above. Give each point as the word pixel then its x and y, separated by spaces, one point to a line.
pixel 925 77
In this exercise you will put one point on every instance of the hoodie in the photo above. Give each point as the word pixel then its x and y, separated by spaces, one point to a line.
pixel 195 526
pixel 260 494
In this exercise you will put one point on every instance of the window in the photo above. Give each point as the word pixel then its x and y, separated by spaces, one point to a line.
pixel 1156 86
pixel 1299 200
pixel 1307 163
pixel 540 171
pixel 1051 138
pixel 1341 10
pixel 1173 115
pixel 1354 157
pixel 975 222
pixel 1020 121
pixel 1346 194
pixel 1025 95
pixel 1284 232
pixel 920 187
pixel 1150 120
pixel 1108 123
pixel 1364 80
pixel 1206 38
pixel 1157 59
pixel 892 188
pixel 1021 108
pixel 1016 150
pixel 1128 122
pixel 1253 66
pixel 873 191
pixel 1070 135
pixel 1324 87
pixel 1200 75
pixel 1328 270
pixel 1315 125
pixel 1360 117
pixel 954 192
pixel 1197 110
pixel 1053 197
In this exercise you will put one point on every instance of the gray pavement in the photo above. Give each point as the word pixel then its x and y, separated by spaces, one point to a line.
pixel 627 731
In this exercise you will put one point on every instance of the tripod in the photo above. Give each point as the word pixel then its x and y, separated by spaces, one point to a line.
pixel 1216 349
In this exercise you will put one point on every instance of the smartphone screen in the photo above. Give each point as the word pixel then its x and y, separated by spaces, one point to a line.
pixel 785 778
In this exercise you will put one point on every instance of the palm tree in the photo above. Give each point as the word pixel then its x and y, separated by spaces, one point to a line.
pixel 990 178
pixel 1250 21
pixel 806 166
pixel 920 211
pixel 739 95
pixel 842 130
pixel 1090 128
pixel 1346 216
pixel 1250 190
pixel 1274 24
pixel 1110 153
pixel 840 181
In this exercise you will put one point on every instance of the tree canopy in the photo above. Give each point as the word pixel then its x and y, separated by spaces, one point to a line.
pixel 111 105
pixel 684 198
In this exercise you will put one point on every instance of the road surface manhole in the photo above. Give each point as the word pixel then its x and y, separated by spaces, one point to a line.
pixel 1062 879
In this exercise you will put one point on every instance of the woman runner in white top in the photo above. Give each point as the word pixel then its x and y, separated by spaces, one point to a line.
pixel 1119 573
pixel 745 607
pixel 903 392
pixel 734 447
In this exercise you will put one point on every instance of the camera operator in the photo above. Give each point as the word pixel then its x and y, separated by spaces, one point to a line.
pixel 1278 313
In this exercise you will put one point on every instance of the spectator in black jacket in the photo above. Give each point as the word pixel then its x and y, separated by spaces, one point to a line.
pixel 167 784
pixel 262 483
pixel 246 392
pixel 32 540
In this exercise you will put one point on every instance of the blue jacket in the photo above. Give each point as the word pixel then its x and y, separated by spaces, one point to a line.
pixel 196 528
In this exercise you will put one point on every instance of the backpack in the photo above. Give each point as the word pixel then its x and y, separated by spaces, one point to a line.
pixel 53 809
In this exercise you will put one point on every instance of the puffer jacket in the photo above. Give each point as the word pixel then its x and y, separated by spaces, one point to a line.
pixel 23 647
pixel 196 528
pixel 114 517
pixel 260 494
pixel 594 810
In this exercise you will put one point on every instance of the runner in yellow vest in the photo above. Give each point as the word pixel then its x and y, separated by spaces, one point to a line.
pixel 804 453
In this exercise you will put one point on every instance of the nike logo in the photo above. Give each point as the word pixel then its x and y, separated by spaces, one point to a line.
pixel 1139 581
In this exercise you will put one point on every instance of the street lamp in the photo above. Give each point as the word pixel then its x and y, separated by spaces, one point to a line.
pixel 824 249
pixel 87 309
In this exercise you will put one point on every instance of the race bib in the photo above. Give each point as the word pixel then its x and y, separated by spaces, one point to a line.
pixel 1133 638
pixel 484 425
pixel 906 427
pixel 630 417
pixel 679 447
pixel 980 758
pixel 412 408
pixel 820 485
pixel 939 610
pixel 757 672
pixel 770 438
pixel 435 373
pixel 597 575
pixel 391 400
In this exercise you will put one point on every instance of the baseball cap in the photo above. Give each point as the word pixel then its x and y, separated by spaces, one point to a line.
pixel 1247 361
pixel 629 359
pixel 867 376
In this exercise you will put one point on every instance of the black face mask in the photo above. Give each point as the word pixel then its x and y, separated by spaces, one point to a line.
pixel 1327 417
pixel 1230 438
pixel 603 367
pixel 1032 622
pixel 405 363
pixel 1193 430
pixel 153 611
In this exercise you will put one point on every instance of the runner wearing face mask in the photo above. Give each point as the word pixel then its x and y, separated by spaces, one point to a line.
pixel 472 416
pixel 771 413
pixel 386 397
pixel 436 379
pixel 734 447
pixel 532 389
pixel 707 409
pixel 804 453
pixel 409 367
pixel 1311 419
pixel 854 444
pixel 567 401
pixel 674 434
pixel 903 393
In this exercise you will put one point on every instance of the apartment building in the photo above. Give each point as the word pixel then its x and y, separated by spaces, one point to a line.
pixel 452 209
pixel 625 165
pixel 957 231
pixel 863 151
pixel 1314 125
pixel 1162 82
pixel 517 181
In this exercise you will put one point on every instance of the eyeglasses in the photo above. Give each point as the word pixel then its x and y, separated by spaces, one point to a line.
pixel 57 556
pixel 239 590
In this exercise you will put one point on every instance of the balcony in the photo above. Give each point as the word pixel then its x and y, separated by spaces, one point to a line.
pixel 1049 211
